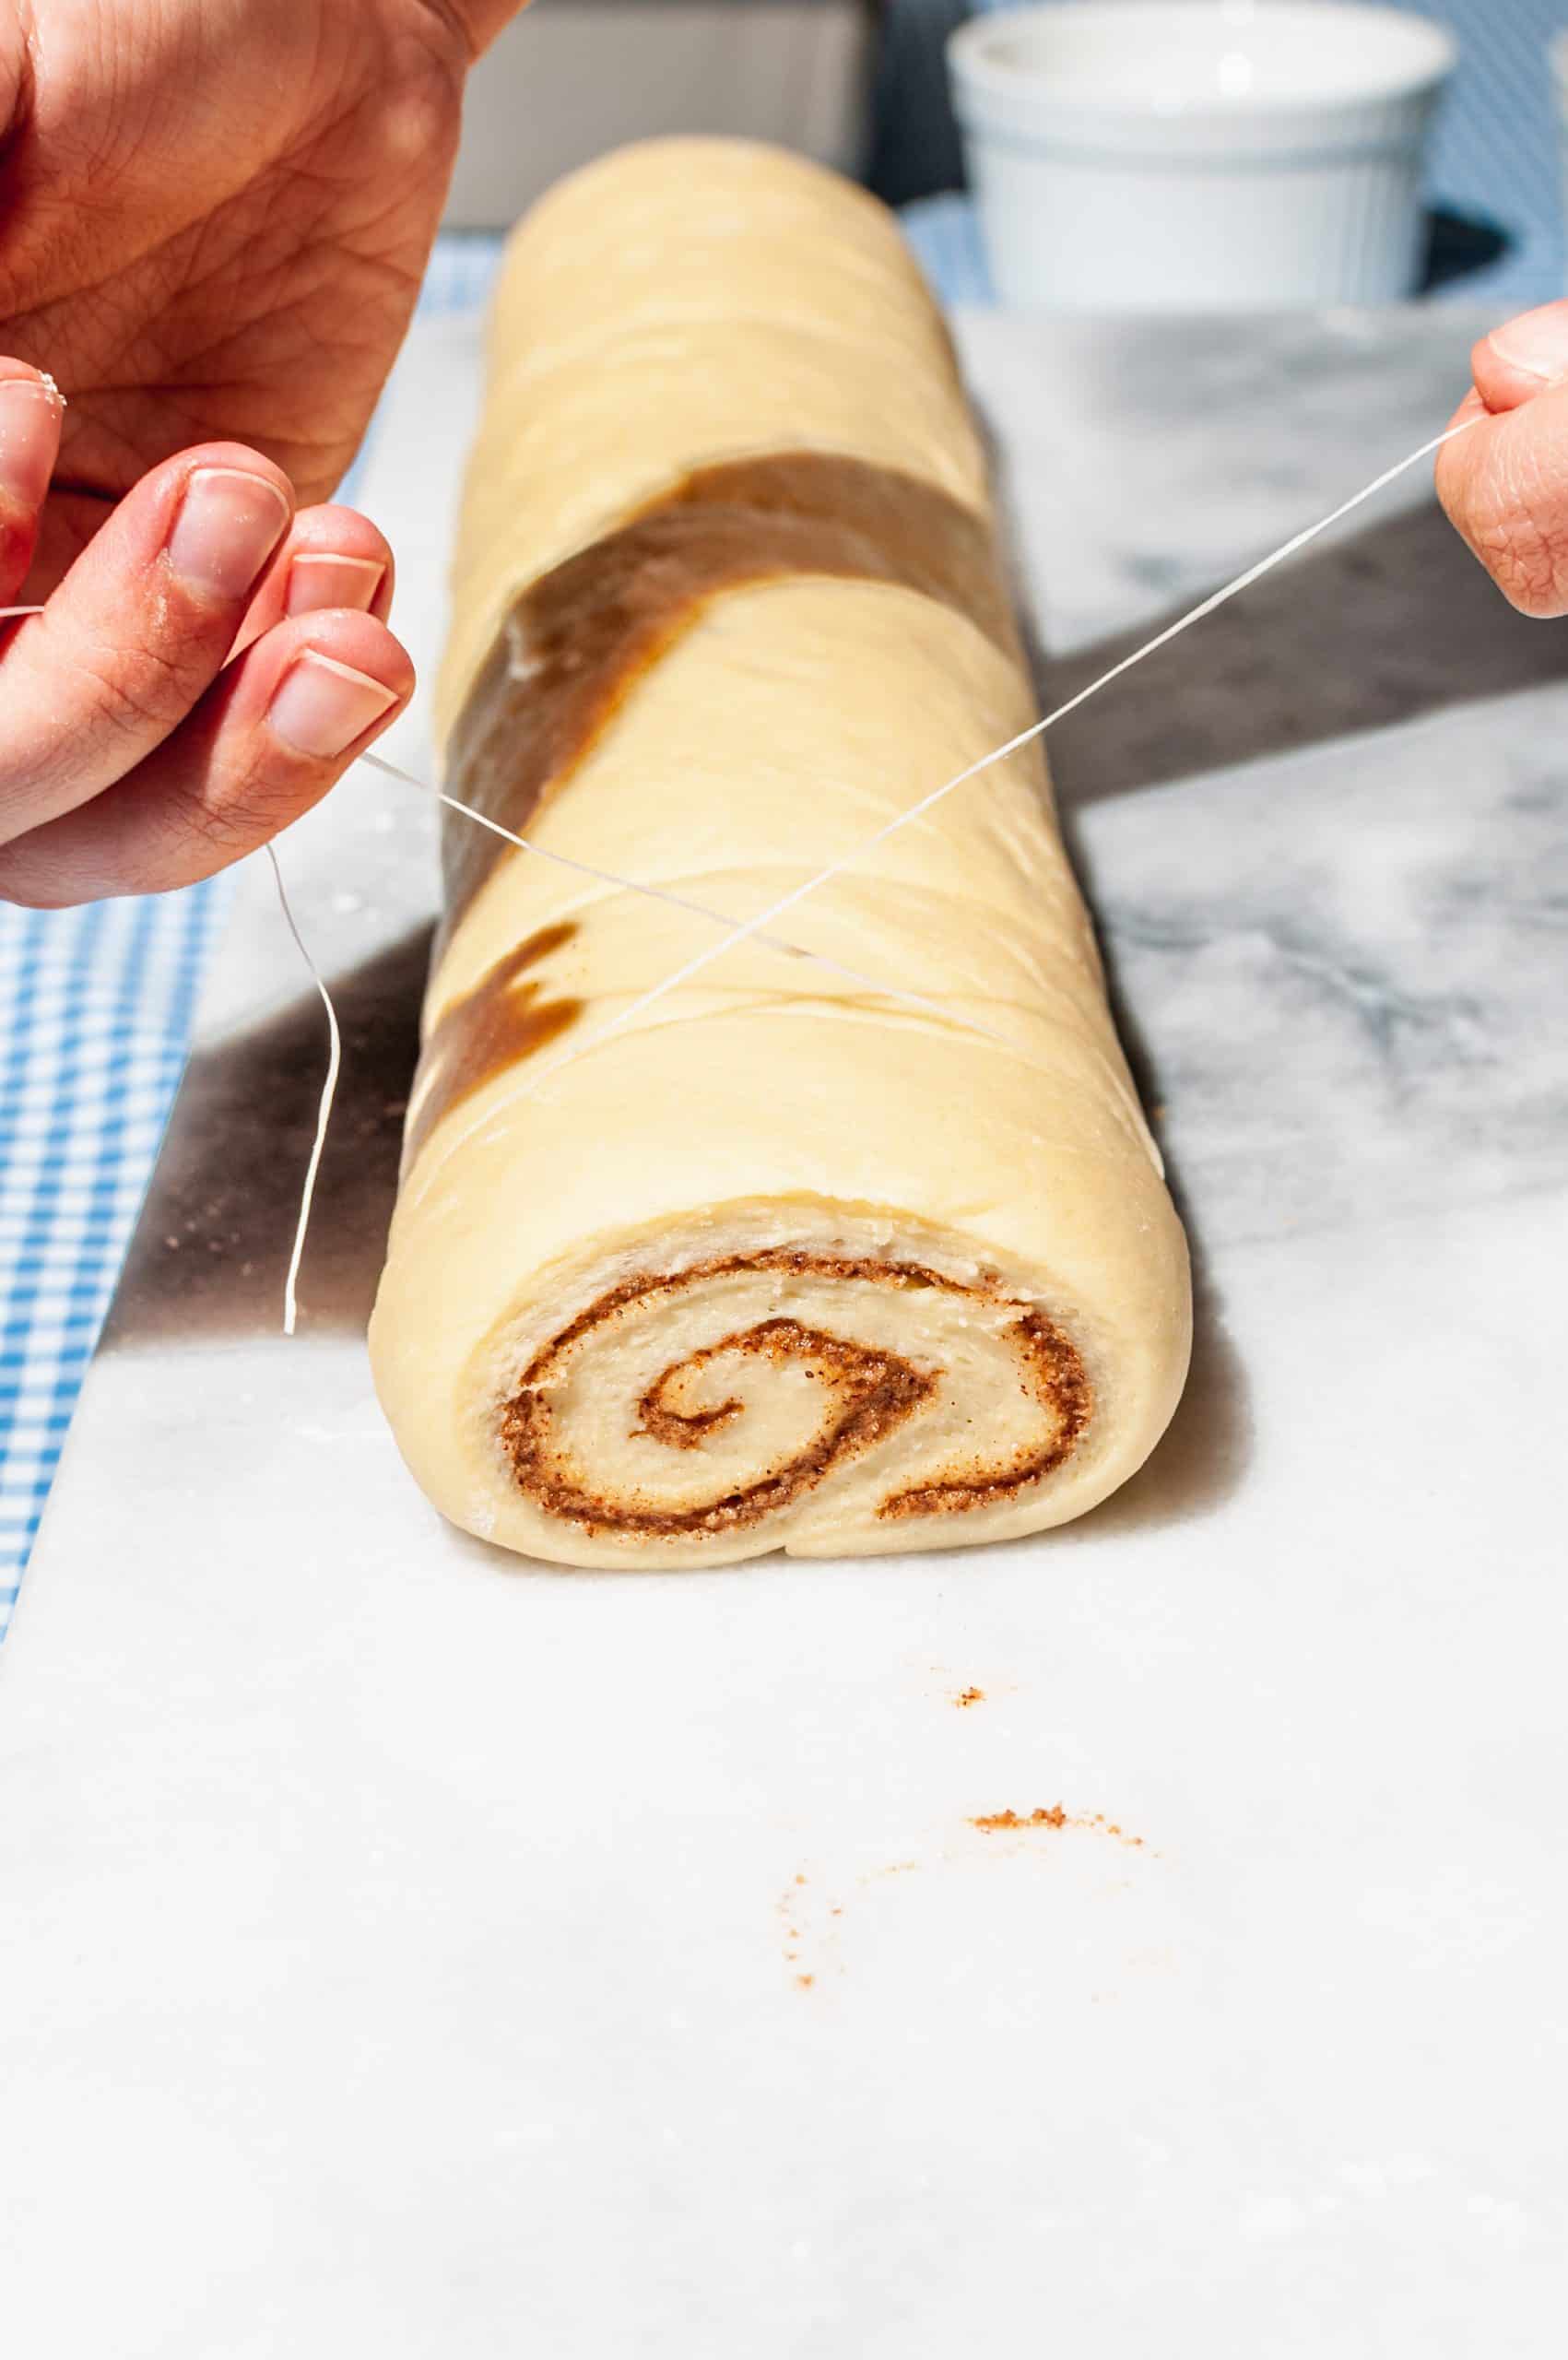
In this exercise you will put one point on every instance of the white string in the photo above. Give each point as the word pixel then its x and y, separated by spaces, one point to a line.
pixel 560 860
pixel 323 1114
pixel 753 929
pixel 329 1087
pixel 1025 737
pixel 694 909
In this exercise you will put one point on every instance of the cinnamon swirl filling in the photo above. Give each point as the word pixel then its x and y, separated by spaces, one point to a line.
pixel 868 1407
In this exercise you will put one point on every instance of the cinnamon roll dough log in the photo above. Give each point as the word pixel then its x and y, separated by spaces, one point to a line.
pixel 780 1262
pixel 685 302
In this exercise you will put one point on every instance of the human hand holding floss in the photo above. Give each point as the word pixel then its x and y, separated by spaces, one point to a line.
pixel 1505 487
pixel 215 225
pixel 213 659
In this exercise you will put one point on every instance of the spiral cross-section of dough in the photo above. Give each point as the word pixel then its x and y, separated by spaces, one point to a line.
pixel 880 1414
pixel 779 1260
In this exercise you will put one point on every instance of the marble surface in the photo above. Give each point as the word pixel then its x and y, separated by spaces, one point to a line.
pixel 414 1950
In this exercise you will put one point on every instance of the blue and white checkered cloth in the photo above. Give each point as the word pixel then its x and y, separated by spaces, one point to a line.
pixel 97 1001
pixel 98 1005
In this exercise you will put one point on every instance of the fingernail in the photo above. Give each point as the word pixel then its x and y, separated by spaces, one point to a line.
pixel 320 706
pixel 228 527
pixel 30 411
pixel 1536 342
pixel 321 578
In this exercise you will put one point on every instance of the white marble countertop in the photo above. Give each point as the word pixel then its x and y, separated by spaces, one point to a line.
pixel 412 1951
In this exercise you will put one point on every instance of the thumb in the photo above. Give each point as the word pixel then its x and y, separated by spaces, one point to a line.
pixel 1519 359
pixel 1505 488
pixel 479 21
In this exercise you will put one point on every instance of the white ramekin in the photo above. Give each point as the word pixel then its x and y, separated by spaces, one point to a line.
pixel 1198 155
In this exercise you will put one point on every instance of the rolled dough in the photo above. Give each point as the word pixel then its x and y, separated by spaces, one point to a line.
pixel 781 1263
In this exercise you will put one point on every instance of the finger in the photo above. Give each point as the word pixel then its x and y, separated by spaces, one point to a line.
pixel 479 21
pixel 137 631
pixel 1446 474
pixel 1505 488
pixel 332 557
pixel 30 412
pixel 285 721
pixel 1516 362
pixel 69 522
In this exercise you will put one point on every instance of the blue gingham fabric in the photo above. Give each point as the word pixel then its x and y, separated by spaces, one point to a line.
pixel 98 1005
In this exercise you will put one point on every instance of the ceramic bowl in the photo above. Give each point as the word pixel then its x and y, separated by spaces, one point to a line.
pixel 1199 155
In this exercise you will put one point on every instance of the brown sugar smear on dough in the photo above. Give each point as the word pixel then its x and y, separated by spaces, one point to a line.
pixel 506 1019
pixel 578 639
pixel 872 1393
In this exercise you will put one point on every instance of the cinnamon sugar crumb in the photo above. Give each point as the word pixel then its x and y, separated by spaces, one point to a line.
pixel 993 1822
pixel 971 1696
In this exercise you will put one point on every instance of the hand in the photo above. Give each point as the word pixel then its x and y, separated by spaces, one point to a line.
pixel 216 215
pixel 215 218
pixel 210 664
pixel 1505 484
